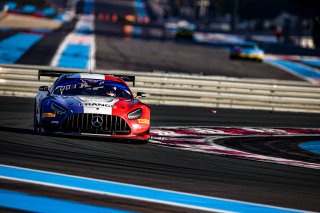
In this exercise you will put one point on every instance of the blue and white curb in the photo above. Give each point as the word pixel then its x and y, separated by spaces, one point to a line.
pixel 136 192
pixel 78 48
pixel 312 62
pixel 304 67
pixel 218 38
pixel 65 17
pixel 12 48
pixel 307 73
pixel 25 202
pixel 311 146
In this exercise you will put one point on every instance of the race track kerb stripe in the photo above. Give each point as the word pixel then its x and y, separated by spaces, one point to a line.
pixel 25 202
pixel 134 192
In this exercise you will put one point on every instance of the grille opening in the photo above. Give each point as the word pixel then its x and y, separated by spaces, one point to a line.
pixel 95 123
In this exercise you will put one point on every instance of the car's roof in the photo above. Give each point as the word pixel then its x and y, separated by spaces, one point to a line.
pixel 94 76
pixel 248 43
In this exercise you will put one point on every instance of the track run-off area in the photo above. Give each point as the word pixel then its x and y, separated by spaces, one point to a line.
pixel 197 160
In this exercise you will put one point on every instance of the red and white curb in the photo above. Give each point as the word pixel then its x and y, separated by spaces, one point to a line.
pixel 201 139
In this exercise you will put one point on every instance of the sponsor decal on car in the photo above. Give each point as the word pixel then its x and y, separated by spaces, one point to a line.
pixel 144 121
pixel 98 105
pixel 49 115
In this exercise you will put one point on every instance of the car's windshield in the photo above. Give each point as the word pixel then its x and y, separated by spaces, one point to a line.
pixel 249 46
pixel 92 87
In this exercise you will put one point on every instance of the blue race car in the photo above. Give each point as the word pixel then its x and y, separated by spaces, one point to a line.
pixel 247 50
pixel 91 104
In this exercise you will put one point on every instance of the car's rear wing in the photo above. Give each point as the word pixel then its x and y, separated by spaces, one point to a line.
pixel 57 73
pixel 127 78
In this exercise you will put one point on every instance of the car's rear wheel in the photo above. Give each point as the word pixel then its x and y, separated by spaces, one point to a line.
pixel 36 124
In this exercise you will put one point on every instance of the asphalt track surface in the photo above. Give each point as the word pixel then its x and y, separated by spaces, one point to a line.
pixel 147 54
pixel 6 34
pixel 43 51
pixel 150 50
pixel 157 166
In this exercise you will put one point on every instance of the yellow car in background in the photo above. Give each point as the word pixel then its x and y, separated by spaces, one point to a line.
pixel 247 50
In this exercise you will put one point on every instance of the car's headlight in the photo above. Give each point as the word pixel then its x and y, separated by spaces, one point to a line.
pixel 58 109
pixel 135 114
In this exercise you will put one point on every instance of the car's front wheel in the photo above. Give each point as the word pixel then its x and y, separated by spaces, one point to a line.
pixel 143 141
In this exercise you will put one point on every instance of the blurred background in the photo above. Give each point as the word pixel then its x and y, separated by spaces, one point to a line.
pixel 290 22
pixel 286 21
pixel 166 35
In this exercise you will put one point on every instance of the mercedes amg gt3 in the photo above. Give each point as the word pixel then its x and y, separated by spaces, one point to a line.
pixel 91 104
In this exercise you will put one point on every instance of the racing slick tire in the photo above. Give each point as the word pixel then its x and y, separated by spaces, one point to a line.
pixel 135 141
pixel 143 141
pixel 36 124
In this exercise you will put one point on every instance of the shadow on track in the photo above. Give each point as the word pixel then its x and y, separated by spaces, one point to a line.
pixel 69 136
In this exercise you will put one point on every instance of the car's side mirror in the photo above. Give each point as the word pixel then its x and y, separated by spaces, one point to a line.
pixel 43 88
pixel 141 94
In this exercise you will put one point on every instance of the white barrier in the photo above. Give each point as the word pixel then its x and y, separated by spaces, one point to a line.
pixel 187 90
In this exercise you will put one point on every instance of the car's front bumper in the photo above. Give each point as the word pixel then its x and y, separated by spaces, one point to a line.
pixel 251 56
pixel 111 126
